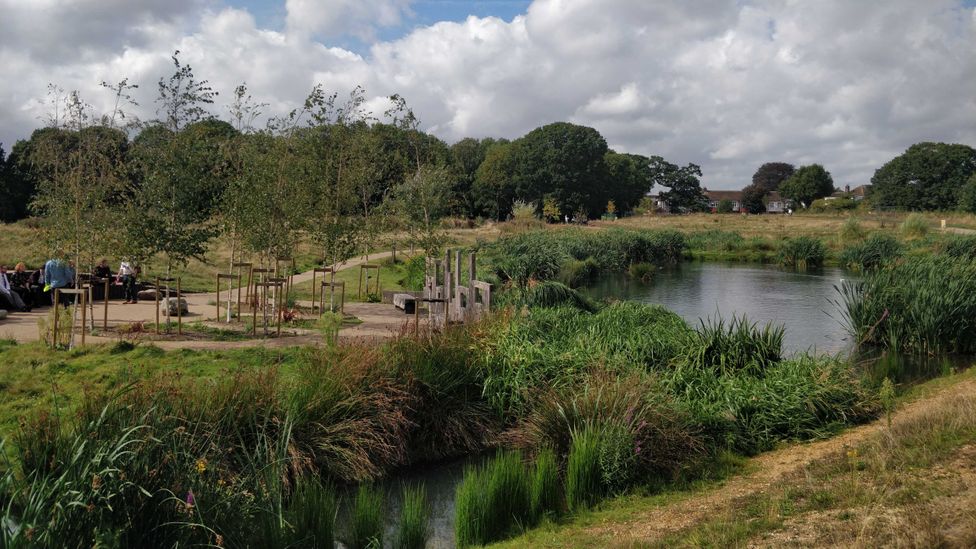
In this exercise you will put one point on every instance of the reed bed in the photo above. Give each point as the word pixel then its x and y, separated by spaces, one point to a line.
pixel 366 520
pixel 802 252
pixel 414 531
pixel 873 253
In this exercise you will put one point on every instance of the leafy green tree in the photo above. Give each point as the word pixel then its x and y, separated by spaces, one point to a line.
pixel 14 194
pixel 808 184
pixel 494 182
pixel 927 176
pixel 422 201
pixel 767 179
pixel 565 161
pixel 967 195
pixel 467 155
pixel 684 192
pixel 629 178
pixel 724 206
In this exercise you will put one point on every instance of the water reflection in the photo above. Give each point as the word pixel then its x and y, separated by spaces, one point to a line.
pixel 804 302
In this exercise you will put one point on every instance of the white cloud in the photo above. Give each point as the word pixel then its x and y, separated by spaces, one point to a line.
pixel 728 85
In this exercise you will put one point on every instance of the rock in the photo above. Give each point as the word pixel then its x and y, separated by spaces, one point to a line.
pixel 172 303
pixel 147 295
pixel 3 314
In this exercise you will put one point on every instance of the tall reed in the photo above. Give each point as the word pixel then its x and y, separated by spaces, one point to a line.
pixel 546 493
pixel 493 501
pixel 414 528
pixel 366 520
pixel 802 252
pixel 584 483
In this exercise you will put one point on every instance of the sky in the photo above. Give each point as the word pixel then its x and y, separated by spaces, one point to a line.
pixel 725 84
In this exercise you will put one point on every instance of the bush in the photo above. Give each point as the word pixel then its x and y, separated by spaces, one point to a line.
pixel 414 532
pixel 871 254
pixel 724 206
pixel 738 345
pixel 584 482
pixel 802 252
pixel 914 226
pixel 852 230
pixel 963 247
pixel 575 273
pixel 366 522
pixel 842 204
pixel 641 271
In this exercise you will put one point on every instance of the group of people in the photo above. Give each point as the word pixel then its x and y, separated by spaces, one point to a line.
pixel 23 289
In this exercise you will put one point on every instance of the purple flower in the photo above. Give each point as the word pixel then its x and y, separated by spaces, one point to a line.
pixel 637 450
pixel 190 500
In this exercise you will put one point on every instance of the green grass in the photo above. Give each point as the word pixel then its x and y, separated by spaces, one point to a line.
pixel 873 253
pixel 802 252
pixel 493 501
pixel 414 527
pixel 584 485
pixel 366 522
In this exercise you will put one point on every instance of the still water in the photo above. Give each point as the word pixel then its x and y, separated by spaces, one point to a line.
pixel 804 302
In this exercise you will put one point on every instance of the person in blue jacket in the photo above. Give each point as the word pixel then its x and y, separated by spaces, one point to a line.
pixel 59 274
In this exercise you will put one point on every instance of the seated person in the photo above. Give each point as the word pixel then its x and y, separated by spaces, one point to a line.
pixel 36 283
pixel 102 270
pixel 20 283
pixel 59 274
pixel 9 296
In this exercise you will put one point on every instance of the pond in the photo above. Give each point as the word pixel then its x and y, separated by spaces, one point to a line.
pixel 804 302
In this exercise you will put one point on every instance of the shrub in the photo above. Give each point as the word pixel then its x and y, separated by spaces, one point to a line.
pixel 584 482
pixel 914 226
pixel 492 501
pixel 366 520
pixel 547 294
pixel 873 253
pixel 414 531
pixel 724 206
pixel 841 204
pixel 803 251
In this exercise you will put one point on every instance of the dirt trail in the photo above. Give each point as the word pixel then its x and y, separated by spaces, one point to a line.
pixel 770 468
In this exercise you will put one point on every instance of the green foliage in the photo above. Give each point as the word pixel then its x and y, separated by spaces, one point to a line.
pixel 960 247
pixel 802 252
pixel 493 500
pixel 927 176
pixel 873 253
pixel 584 479
pixel 494 185
pixel 808 184
pixel 684 192
pixel 547 294
pixel 967 195
pixel 738 345
pixel 724 206
pixel 414 530
pixel 575 272
pixel 918 306
pixel 545 494
pixel 838 204
pixel 914 226
pixel 366 520
pixel 422 200
pixel 642 271
pixel 767 178
pixel 852 230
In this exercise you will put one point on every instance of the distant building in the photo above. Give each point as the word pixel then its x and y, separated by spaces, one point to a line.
pixel 776 203
pixel 714 197
pixel 857 193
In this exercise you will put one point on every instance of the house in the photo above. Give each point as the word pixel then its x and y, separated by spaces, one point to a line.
pixel 776 203
pixel 714 197
pixel 857 193
pixel 659 204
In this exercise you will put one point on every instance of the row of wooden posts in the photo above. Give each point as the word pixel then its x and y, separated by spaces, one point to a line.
pixel 86 300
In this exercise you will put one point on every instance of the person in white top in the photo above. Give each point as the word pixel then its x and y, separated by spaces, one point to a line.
pixel 7 293
pixel 127 274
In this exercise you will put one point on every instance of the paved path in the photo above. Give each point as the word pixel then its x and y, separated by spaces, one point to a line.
pixel 379 321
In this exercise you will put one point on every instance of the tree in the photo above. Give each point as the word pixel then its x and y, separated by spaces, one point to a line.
pixel 927 176
pixel 808 184
pixel 724 206
pixel 564 161
pixel 767 179
pixel 629 178
pixel 422 200
pixel 494 185
pixel 467 155
pixel 684 192
pixel 967 195
pixel 177 163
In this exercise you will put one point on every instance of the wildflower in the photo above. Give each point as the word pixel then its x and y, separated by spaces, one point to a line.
pixel 219 541
pixel 190 500
pixel 852 454
pixel 202 465
pixel 221 482
pixel 96 482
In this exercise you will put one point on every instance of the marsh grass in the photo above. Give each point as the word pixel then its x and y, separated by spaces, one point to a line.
pixel 878 250
pixel 576 272
pixel 366 519
pixel 545 490
pixel 414 528
pixel 962 247
pixel 736 345
pixel 493 501
pixel 547 294
pixel 914 226
pixel 584 479
pixel 802 252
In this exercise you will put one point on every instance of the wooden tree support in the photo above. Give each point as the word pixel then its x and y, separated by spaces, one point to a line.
pixel 179 308
pixel 230 291
pixel 316 290
pixel 241 269
pixel 277 284
pixel 332 292
pixel 58 292
pixel 366 268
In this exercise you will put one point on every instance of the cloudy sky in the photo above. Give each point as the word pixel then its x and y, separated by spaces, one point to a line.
pixel 727 84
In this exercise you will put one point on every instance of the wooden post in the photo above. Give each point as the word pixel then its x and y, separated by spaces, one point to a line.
pixel 179 306
pixel 470 306
pixel 394 253
pixel 84 311
pixel 217 301
pixel 157 305
pixel 57 313
pixel 105 315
